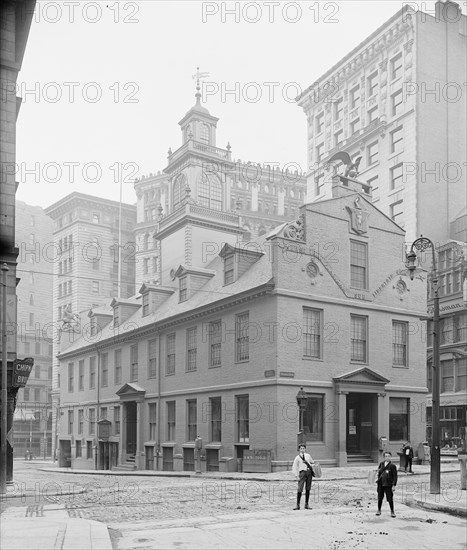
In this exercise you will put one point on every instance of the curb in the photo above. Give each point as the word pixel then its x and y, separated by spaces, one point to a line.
pixel 451 510
pixel 79 491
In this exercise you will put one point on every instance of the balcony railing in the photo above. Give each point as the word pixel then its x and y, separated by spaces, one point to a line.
pixel 196 146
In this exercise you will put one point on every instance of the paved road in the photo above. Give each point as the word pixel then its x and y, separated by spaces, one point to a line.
pixel 169 512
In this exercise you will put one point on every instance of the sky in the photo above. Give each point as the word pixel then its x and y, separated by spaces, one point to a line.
pixel 104 84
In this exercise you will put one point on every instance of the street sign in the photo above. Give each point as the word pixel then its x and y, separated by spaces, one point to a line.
pixel 21 370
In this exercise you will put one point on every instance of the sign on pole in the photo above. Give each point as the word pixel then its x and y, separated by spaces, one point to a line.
pixel 21 370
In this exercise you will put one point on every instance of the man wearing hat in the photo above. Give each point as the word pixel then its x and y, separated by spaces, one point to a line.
pixel 303 471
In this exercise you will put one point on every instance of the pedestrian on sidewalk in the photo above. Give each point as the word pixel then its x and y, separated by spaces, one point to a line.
pixel 387 481
pixel 303 471
pixel 408 455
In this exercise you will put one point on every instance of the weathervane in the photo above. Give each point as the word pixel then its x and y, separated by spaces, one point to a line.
pixel 199 76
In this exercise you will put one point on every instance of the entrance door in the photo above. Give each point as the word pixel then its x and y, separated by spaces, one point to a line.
pixel 353 423
pixel 131 425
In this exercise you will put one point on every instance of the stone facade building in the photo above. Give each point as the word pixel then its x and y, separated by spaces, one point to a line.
pixel 33 417
pixel 452 290
pixel 263 195
pixel 86 264
pixel 220 350
pixel 398 102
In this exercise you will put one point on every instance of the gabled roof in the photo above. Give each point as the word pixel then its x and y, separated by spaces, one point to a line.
pixel 156 288
pixel 183 270
pixel 134 301
pixel 317 206
pixel 130 388
pixel 363 375
pixel 229 249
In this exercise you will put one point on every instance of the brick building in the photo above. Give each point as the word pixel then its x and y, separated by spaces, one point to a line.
pixel 221 350
pixel 397 100
pixel 263 195
pixel 86 264
pixel 33 417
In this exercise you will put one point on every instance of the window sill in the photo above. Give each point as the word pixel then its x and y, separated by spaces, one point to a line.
pixel 188 445
pixel 217 446
pixel 400 366
pixel 191 370
pixel 242 361
pixel 214 366
pixel 170 374
pixel 306 358
pixel 354 362
pixel 168 444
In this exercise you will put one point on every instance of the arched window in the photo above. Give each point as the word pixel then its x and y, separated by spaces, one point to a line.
pixel 204 134
pixel 210 191
pixel 178 189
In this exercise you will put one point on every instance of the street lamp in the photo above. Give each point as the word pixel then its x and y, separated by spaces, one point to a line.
pixel 302 399
pixel 421 244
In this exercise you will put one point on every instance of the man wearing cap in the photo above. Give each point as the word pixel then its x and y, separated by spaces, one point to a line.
pixel 303 471
pixel 387 481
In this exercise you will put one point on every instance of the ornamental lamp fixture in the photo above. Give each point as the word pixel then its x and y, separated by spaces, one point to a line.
pixel 411 257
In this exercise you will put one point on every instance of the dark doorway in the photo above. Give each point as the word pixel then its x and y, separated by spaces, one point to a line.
pixel 361 423
pixel 131 427
pixel 65 454
pixel 353 422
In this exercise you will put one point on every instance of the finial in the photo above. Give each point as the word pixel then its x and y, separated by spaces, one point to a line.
pixel 160 209
pixel 228 146
pixel 199 76
pixel 169 152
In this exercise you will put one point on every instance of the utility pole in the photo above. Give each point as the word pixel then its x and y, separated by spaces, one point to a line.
pixel 4 457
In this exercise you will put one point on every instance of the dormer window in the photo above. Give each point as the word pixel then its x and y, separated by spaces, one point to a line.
pixel 229 269
pixel 145 304
pixel 183 288
pixel 116 316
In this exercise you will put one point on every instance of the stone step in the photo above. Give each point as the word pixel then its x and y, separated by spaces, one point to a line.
pixel 125 467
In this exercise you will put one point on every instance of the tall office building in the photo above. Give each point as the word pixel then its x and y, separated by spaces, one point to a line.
pixel 398 100
pixel 86 265
pixel 33 416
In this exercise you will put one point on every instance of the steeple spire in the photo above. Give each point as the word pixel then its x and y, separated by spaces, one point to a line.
pixel 199 76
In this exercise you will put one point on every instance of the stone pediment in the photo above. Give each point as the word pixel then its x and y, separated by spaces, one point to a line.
pixel 130 389
pixel 363 375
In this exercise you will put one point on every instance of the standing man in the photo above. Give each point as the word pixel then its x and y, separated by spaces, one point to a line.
pixel 303 471
pixel 408 455
pixel 387 481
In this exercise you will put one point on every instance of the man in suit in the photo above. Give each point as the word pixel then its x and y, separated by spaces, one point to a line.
pixel 408 455
pixel 387 481
pixel 302 469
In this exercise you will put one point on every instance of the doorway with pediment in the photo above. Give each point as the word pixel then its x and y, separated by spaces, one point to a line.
pixel 361 411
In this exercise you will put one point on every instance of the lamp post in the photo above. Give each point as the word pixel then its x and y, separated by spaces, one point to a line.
pixel 302 399
pixel 421 244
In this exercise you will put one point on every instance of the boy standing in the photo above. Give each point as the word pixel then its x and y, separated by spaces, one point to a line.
pixel 387 481
pixel 302 469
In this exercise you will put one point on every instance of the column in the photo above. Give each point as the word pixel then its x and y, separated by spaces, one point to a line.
pixel 123 424
pixel 140 451
pixel 342 428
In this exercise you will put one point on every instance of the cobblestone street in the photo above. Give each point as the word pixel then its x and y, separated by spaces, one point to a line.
pixel 139 510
